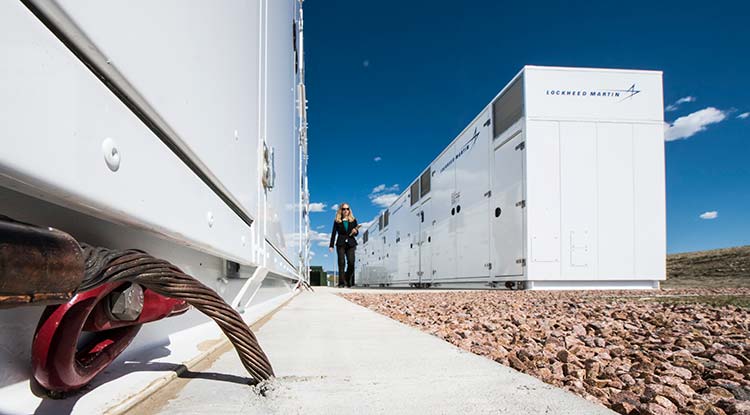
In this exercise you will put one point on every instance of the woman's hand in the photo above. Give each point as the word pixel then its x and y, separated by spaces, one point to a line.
pixel 330 249
pixel 354 232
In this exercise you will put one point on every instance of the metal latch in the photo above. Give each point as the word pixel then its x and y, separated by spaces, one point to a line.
pixel 488 265
pixel 488 193
pixel 521 261
pixel 269 167
pixel 521 204
pixel 521 145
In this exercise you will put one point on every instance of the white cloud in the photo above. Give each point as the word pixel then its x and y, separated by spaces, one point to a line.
pixel 676 104
pixel 335 207
pixel 384 200
pixel 317 207
pixel 383 196
pixel 312 253
pixel 744 115
pixel 320 226
pixel 709 215
pixel 383 188
pixel 689 125
pixel 377 158
pixel 366 63
pixel 325 255
pixel 318 236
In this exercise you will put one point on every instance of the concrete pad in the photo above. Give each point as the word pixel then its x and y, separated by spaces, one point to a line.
pixel 332 356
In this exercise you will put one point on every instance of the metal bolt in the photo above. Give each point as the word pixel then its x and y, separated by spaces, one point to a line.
pixel 111 154
pixel 127 304
pixel 210 219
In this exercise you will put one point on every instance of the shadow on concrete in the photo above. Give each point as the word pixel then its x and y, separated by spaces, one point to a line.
pixel 66 404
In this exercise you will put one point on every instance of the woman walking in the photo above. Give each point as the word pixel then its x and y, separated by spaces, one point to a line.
pixel 346 227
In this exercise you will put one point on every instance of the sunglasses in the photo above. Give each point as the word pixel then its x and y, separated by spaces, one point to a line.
pixel 344 208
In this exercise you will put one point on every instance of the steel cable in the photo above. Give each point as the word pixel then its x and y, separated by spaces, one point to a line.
pixel 104 265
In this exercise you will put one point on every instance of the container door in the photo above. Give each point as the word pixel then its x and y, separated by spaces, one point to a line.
pixel 425 243
pixel 443 232
pixel 472 201
pixel 414 247
pixel 508 208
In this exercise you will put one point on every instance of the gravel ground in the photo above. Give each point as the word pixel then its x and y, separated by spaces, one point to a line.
pixel 635 352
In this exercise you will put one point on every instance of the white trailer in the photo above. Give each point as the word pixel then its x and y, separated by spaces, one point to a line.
pixel 558 183
pixel 177 128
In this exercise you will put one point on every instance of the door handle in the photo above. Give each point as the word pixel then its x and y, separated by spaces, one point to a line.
pixel 498 211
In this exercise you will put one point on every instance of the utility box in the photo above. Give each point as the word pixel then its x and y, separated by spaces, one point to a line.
pixel 318 277
pixel 558 183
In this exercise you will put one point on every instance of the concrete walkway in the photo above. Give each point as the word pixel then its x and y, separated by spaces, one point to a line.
pixel 334 357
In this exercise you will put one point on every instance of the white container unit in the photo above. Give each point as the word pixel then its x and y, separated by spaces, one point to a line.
pixel 557 184
pixel 174 127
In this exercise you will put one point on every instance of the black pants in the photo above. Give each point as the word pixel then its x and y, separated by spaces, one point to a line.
pixel 346 258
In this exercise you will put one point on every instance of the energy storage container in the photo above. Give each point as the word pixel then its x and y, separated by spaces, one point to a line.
pixel 558 183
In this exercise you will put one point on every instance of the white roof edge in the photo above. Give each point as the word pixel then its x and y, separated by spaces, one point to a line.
pixel 587 69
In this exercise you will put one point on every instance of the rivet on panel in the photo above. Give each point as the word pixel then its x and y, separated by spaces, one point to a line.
pixel 210 219
pixel 111 154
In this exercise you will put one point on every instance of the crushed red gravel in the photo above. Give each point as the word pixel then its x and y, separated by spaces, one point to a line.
pixel 634 352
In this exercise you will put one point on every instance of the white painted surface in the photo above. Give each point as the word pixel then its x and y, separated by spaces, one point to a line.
pixel 578 190
pixel 472 220
pixel 425 243
pixel 593 94
pixel 444 231
pixel 279 96
pixel 55 116
pixel 615 219
pixel 198 65
pixel 507 229
pixel 650 210
pixel 543 198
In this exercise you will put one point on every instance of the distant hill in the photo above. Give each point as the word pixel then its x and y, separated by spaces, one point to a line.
pixel 727 267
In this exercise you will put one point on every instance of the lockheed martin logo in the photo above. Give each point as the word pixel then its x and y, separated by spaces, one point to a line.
pixel 466 147
pixel 623 94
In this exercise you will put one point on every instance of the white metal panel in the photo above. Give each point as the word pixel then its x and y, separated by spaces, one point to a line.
pixel 543 198
pixel 424 272
pixel 197 63
pixel 593 94
pixel 507 213
pixel 472 201
pixel 391 265
pixel 615 200
pixel 61 159
pixel 578 179
pixel 442 188
pixel 411 227
pixel 650 204
pixel 280 134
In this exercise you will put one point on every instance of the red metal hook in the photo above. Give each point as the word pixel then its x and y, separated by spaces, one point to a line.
pixel 59 364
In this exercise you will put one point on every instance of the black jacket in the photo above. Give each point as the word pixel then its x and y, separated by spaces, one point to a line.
pixel 344 238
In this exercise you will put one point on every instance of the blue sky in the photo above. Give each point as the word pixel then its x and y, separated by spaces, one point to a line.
pixel 390 84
